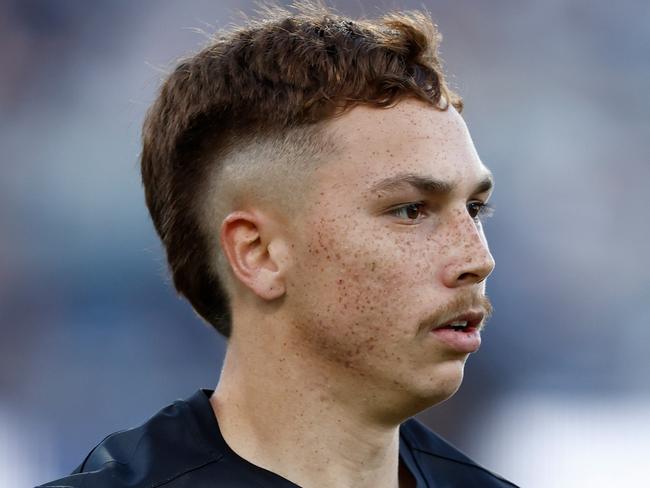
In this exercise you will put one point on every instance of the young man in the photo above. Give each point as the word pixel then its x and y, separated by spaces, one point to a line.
pixel 320 200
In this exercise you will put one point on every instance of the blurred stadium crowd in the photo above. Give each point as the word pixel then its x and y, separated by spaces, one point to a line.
pixel 93 339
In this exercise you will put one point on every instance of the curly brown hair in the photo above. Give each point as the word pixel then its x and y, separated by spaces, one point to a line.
pixel 276 80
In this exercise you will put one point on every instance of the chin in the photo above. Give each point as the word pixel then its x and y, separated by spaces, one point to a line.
pixel 415 392
pixel 441 385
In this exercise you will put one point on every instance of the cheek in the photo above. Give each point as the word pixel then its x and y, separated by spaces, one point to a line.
pixel 362 282
pixel 359 262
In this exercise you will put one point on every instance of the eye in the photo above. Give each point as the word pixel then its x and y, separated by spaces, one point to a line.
pixel 479 210
pixel 410 211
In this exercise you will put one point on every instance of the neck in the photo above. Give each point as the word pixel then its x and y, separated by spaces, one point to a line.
pixel 283 414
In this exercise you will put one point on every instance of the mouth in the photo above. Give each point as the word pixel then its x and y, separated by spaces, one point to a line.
pixel 461 333
pixel 467 322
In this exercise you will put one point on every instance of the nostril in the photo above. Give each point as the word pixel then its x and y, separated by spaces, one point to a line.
pixel 466 276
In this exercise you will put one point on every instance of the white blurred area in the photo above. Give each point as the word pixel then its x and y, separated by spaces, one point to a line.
pixel 560 441
pixel 27 451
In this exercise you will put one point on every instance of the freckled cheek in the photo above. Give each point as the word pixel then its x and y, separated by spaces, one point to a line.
pixel 375 284
pixel 362 296
pixel 354 264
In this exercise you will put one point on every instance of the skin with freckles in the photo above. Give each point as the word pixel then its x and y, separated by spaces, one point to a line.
pixel 332 345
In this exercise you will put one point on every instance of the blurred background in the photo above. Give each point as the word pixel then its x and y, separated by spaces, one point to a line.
pixel 93 338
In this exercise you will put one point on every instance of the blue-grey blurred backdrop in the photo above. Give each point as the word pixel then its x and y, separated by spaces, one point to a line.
pixel 93 339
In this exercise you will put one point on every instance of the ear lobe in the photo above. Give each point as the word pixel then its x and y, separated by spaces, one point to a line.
pixel 246 240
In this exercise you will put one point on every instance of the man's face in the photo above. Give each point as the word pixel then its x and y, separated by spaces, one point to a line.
pixel 382 255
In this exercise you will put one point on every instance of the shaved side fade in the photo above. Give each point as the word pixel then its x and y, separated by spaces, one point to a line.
pixel 243 118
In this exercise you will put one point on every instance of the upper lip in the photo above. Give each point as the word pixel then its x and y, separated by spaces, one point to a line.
pixel 473 319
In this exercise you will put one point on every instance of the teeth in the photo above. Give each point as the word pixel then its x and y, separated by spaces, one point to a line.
pixel 458 325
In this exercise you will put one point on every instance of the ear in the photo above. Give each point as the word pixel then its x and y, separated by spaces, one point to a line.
pixel 255 252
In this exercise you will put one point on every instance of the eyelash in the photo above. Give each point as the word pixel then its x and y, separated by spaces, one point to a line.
pixel 483 211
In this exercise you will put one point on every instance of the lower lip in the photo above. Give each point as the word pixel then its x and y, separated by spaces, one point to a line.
pixel 465 341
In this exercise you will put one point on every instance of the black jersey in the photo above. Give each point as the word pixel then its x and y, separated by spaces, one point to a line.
pixel 182 447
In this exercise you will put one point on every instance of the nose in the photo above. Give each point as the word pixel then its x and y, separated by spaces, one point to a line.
pixel 470 261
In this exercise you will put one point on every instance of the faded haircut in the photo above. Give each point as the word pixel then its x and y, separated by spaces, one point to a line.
pixel 244 116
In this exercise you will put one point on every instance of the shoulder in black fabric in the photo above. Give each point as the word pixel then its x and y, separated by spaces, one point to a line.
pixel 169 444
pixel 179 447
pixel 442 464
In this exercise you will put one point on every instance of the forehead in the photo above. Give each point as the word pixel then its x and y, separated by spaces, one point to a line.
pixel 376 143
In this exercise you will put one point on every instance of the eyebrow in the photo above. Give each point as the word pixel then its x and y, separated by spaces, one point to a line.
pixel 426 184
